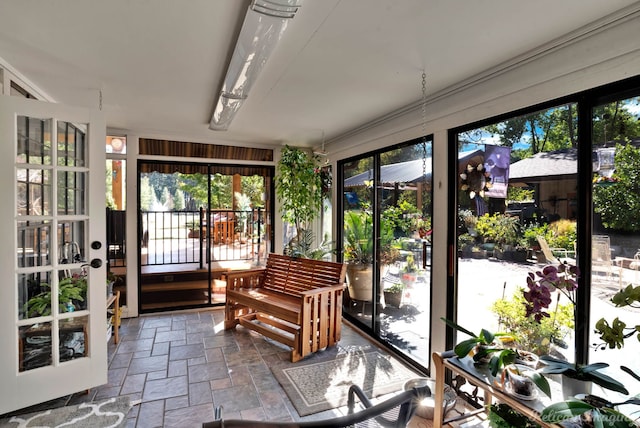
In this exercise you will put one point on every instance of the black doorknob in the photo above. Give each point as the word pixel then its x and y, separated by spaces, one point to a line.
pixel 96 245
pixel 96 263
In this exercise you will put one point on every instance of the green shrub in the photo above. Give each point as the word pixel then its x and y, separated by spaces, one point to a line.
pixel 531 335
pixel 562 234
pixel 531 232
pixel 487 227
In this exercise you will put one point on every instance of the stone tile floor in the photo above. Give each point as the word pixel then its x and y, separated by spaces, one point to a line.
pixel 180 366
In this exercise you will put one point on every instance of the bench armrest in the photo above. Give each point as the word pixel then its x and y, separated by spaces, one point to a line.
pixel 321 290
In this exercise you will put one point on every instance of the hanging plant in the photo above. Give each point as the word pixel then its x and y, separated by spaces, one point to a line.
pixel 475 181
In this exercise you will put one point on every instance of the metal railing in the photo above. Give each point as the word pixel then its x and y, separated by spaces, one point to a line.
pixel 187 237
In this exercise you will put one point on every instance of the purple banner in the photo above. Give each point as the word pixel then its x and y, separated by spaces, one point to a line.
pixel 496 163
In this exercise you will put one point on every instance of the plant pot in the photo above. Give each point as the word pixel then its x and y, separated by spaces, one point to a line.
pixel 426 405
pixel 528 359
pixel 360 282
pixel 572 387
pixel 485 359
pixel 519 256
pixel 393 298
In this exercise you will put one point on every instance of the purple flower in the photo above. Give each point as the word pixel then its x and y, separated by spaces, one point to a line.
pixel 538 298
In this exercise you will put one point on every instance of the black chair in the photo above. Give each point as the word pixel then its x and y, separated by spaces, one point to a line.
pixel 393 412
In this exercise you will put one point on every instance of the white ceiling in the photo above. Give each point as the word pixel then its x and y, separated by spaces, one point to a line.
pixel 340 64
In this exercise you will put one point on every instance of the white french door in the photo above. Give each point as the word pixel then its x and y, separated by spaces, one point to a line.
pixel 53 290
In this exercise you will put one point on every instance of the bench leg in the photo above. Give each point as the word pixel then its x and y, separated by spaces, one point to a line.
pixel 295 356
pixel 230 316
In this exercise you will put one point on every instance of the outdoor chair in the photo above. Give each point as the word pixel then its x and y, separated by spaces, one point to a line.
pixel 393 412
pixel 601 256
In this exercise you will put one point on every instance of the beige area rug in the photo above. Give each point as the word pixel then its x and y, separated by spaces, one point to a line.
pixel 111 413
pixel 319 385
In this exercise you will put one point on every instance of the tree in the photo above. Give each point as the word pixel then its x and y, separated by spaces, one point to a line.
pixel 147 196
pixel 298 188
pixel 618 202
pixel 178 201
pixel 615 121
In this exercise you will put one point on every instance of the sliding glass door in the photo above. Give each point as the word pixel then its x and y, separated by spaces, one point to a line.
pixel 196 222
pixel 387 245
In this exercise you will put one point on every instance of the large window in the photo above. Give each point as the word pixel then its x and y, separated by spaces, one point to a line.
pixel 516 213
pixel 615 241
pixel 387 245
pixel 554 185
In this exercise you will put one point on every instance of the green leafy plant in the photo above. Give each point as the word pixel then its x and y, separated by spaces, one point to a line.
pixel 531 232
pixel 615 333
pixel 395 288
pixel 305 248
pixel 595 414
pixel 502 415
pixel 72 289
pixel 299 187
pixel 484 346
pixel 358 242
pixel 487 226
pixel 619 202
pixel 532 335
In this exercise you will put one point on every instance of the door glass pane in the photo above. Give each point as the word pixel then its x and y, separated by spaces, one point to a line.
pixel 71 242
pixel 73 338
pixel 71 192
pixel 404 196
pixel 34 346
pixel 34 141
pixel 358 238
pixel 34 191
pixel 517 214
pixel 71 145
pixel 72 291
pixel 615 241
pixel 34 295
pixel 34 240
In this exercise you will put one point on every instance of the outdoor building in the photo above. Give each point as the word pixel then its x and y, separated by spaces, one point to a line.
pixel 453 163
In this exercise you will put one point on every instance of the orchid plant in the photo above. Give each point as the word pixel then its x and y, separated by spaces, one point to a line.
pixel 563 279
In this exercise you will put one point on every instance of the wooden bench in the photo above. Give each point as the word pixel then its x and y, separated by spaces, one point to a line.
pixel 295 301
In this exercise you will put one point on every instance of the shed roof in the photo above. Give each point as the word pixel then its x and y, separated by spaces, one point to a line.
pixel 545 166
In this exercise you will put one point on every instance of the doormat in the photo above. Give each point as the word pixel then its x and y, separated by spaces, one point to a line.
pixel 111 413
pixel 322 385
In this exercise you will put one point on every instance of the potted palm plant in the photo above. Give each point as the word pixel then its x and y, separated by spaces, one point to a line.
pixel 358 253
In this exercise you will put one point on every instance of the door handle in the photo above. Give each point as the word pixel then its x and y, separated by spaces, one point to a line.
pixel 96 263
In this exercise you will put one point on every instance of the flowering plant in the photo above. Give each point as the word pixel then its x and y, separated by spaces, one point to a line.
pixel 563 279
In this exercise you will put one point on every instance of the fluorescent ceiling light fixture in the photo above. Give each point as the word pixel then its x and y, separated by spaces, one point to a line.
pixel 263 27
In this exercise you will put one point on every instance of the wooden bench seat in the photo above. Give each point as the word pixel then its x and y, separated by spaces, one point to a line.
pixel 296 301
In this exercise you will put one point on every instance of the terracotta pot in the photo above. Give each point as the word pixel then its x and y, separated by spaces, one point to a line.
pixel 360 282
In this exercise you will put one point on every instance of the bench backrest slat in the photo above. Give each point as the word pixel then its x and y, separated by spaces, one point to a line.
pixel 292 275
